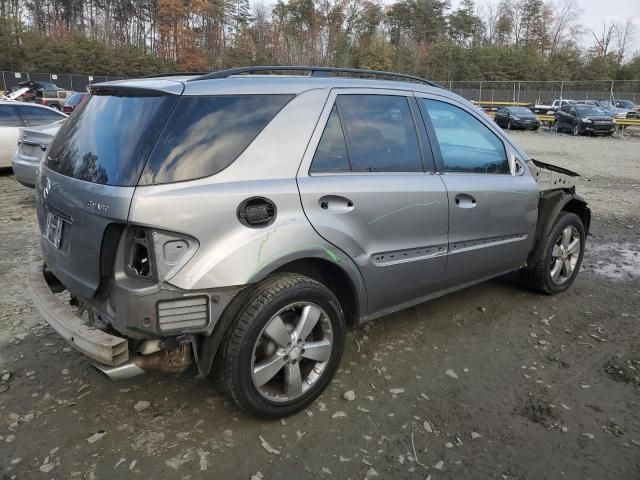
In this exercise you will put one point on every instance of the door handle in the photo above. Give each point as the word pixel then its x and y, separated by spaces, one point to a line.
pixel 335 204
pixel 464 200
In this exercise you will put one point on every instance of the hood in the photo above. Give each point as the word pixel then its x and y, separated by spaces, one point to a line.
pixel 552 177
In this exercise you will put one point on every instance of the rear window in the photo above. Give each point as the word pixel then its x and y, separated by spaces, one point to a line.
pixel 205 134
pixel 36 116
pixel 109 138
pixel 74 99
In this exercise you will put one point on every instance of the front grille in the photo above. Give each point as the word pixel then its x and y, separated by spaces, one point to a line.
pixel 184 314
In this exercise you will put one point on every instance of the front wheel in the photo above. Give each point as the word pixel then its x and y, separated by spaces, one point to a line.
pixel 509 125
pixel 283 347
pixel 558 258
pixel 576 130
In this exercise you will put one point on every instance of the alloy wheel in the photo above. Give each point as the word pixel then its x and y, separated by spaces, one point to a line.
pixel 565 255
pixel 292 352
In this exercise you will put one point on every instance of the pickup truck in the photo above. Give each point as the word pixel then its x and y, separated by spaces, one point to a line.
pixel 553 108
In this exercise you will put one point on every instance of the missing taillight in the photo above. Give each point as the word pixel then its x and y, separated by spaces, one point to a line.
pixel 140 260
pixel 140 263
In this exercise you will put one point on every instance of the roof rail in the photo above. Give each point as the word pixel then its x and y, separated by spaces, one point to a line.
pixel 174 74
pixel 313 72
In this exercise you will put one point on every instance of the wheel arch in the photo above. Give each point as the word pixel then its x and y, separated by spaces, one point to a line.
pixel 346 284
pixel 550 204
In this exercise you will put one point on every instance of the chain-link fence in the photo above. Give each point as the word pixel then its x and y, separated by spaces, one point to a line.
pixel 489 91
pixel 547 91
pixel 67 81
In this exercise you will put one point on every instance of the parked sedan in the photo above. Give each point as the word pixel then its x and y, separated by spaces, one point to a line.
pixel 517 117
pixel 13 116
pixel 579 119
pixel 32 143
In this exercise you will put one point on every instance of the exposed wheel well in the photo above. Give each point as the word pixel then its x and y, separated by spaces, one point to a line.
pixel 334 278
pixel 580 208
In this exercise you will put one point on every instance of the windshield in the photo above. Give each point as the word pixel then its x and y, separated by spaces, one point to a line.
pixel 109 138
pixel 625 104
pixel 585 111
pixel 520 111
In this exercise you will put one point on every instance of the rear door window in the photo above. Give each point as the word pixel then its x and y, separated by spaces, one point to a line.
pixel 331 155
pixel 9 116
pixel 369 133
pixel 205 134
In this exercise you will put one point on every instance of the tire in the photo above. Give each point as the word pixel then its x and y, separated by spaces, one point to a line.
pixel 576 130
pixel 509 125
pixel 556 127
pixel 539 274
pixel 247 346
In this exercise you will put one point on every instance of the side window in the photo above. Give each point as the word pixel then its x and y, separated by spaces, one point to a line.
pixel 39 116
pixel 205 134
pixel 369 133
pixel 9 116
pixel 380 132
pixel 466 144
pixel 331 155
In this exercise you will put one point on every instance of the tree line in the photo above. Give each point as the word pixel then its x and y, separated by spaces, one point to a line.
pixel 494 40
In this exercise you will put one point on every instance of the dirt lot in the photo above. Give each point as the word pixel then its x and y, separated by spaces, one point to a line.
pixel 491 382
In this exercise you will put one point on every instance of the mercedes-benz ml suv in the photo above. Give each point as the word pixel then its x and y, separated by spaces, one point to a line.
pixel 240 222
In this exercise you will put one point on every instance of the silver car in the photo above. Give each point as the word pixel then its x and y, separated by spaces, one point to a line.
pixel 32 143
pixel 240 223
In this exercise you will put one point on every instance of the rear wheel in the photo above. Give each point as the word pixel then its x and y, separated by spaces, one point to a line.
pixel 558 258
pixel 576 130
pixel 283 347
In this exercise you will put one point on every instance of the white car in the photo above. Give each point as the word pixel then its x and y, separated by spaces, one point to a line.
pixel 13 116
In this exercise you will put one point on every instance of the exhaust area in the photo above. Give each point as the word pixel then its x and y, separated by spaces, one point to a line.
pixel 121 372
pixel 168 361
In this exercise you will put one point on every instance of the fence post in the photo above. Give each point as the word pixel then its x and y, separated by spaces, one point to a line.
pixel 561 89
pixel 480 94
pixel 4 81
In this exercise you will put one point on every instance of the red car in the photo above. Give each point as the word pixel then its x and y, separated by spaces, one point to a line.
pixel 73 102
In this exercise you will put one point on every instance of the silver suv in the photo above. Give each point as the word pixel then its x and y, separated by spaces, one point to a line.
pixel 241 222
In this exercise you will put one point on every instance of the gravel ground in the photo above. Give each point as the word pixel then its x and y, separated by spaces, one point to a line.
pixel 490 382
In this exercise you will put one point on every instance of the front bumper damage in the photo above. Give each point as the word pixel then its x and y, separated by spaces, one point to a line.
pixel 111 354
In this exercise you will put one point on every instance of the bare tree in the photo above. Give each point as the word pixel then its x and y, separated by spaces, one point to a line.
pixel 624 34
pixel 603 39
pixel 565 14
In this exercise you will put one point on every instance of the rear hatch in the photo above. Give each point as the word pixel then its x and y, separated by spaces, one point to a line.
pixel 89 173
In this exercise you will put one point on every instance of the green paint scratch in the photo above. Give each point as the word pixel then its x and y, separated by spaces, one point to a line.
pixel 401 209
pixel 266 239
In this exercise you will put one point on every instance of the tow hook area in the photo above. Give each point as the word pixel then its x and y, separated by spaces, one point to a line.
pixel 172 355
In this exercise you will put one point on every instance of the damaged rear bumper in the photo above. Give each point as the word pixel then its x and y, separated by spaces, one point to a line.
pixel 100 346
